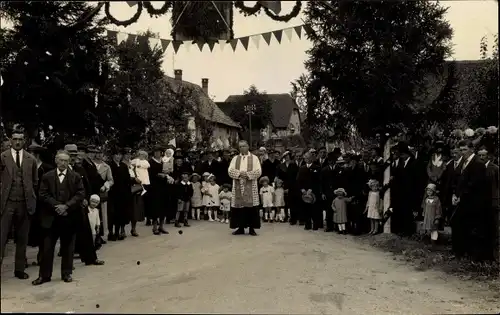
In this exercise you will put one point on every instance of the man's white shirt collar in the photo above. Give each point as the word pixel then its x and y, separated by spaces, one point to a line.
pixel 487 163
pixel 13 152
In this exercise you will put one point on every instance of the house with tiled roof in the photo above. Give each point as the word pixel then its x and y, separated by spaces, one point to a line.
pixel 286 115
pixel 225 130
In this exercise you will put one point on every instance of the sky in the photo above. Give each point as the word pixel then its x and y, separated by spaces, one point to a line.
pixel 272 68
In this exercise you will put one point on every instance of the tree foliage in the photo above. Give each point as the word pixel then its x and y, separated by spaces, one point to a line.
pixel 368 60
pixel 256 102
pixel 51 69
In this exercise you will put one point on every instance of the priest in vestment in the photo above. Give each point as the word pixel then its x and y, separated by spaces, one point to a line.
pixel 245 171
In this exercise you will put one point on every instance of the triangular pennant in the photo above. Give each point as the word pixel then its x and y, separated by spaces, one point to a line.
pixel 154 43
pixel 165 43
pixel 176 44
pixel 113 36
pixel 211 45
pixel 244 42
pixel 278 34
pixel 200 45
pixel 233 43
pixel 308 29
pixel 256 40
pixel 267 37
pixel 222 44
pixel 298 30
pixel 187 44
pixel 143 41
pixel 121 37
pixel 131 38
pixel 288 33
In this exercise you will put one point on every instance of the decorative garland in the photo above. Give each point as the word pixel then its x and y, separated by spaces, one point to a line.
pixel 285 18
pixel 247 11
pixel 132 20
pixel 157 12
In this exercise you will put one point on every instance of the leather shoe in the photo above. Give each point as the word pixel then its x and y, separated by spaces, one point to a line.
pixel 252 232
pixel 239 232
pixel 95 263
pixel 40 280
pixel 67 279
pixel 21 275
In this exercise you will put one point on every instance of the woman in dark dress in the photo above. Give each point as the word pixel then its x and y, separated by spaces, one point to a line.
pixel 120 196
pixel 156 200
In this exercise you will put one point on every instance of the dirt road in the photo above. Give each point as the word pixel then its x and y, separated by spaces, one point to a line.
pixel 285 270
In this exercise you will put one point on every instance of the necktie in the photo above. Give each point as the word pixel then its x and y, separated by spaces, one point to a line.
pixel 61 177
pixel 18 159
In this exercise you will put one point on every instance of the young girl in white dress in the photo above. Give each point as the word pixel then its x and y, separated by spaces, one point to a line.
pixel 267 198
pixel 279 200
pixel 141 166
pixel 374 206
pixel 225 202
pixel 432 212
pixel 197 199
pixel 205 196
pixel 213 201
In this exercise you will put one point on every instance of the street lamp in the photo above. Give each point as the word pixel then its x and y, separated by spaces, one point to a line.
pixel 250 110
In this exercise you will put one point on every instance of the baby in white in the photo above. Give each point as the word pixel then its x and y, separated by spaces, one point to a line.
pixel 94 219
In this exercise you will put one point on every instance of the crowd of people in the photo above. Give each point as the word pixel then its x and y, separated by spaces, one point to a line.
pixel 89 197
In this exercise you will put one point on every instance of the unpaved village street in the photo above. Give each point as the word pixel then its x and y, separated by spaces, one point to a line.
pixel 285 270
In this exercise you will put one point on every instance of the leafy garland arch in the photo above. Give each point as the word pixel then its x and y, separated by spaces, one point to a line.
pixel 188 26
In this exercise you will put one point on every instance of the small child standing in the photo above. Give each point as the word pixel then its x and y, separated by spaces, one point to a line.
pixel 94 218
pixel 432 212
pixel 204 193
pixel 184 192
pixel 197 199
pixel 339 207
pixel 279 200
pixel 374 206
pixel 225 202
pixel 267 199
pixel 213 202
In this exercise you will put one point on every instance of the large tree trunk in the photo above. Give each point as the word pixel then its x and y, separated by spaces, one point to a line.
pixel 387 176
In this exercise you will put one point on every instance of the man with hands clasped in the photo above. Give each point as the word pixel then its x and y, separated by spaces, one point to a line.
pixel 61 194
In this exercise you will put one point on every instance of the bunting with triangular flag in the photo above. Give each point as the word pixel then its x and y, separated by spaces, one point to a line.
pixel 154 42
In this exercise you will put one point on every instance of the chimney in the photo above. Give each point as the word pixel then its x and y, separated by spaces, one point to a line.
pixel 204 85
pixel 178 74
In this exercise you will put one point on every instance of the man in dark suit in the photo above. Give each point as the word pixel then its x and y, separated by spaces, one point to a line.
pixel 35 229
pixel 224 165
pixel 322 158
pixel 308 180
pixel 404 197
pixel 211 165
pixel 449 181
pixel 270 166
pixel 492 173
pixel 287 172
pixel 472 197
pixel 19 177
pixel 329 182
pixel 62 193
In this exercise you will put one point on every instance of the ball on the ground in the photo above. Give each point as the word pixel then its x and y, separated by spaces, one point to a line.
pixel 97 306
pixel 138 263
pixel 180 232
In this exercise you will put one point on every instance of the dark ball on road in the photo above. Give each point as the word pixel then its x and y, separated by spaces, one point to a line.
pixel 138 263
pixel 97 306
pixel 180 232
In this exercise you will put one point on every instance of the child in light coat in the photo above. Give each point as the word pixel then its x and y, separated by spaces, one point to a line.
pixel 93 214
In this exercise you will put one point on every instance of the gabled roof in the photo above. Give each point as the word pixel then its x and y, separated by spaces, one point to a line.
pixel 282 107
pixel 208 109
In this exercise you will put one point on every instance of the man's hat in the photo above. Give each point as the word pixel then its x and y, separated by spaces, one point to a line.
pixel 93 149
pixel 157 148
pixel 403 148
pixel 309 198
pixel 71 148
pixel 34 147
pixel 127 150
